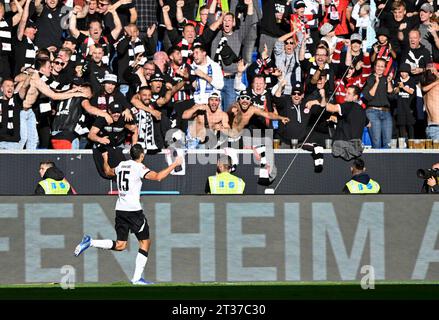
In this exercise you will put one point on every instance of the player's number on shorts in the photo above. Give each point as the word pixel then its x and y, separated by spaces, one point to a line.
pixel 122 181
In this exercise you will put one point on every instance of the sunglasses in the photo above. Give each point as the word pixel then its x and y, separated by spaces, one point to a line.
pixel 59 63
pixel 297 93
pixel 289 42
pixel 245 98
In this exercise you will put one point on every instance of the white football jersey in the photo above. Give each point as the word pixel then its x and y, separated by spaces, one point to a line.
pixel 129 176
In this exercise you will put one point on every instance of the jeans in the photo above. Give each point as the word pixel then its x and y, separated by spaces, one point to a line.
pixel 381 128
pixel 228 94
pixel 432 132
pixel 28 130
pixel 6 145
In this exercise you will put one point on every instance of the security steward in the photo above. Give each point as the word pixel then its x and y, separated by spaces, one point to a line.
pixel 224 182
pixel 54 182
pixel 360 182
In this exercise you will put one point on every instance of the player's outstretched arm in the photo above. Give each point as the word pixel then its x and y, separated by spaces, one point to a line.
pixel 158 176
pixel 108 171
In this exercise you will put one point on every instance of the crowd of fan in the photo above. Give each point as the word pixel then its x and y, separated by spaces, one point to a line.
pixel 129 71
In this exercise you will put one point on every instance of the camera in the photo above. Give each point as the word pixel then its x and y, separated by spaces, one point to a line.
pixel 427 173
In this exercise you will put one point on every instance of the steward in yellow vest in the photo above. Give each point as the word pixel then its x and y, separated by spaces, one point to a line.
pixel 360 182
pixel 224 182
pixel 54 182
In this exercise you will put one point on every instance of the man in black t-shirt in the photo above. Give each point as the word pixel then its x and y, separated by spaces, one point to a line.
pixel 350 125
pixel 110 137
pixel 351 116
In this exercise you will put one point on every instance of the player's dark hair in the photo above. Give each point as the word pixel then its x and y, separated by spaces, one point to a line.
pixel 136 151
pixel 358 164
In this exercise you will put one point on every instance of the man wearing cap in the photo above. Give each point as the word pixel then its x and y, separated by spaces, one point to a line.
pixel 108 95
pixel 205 117
pixel 293 108
pixel 6 25
pixel 110 137
pixel 427 33
pixel 328 35
pixel 352 57
pixel 224 182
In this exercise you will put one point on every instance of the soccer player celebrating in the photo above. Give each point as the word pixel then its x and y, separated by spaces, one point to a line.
pixel 129 213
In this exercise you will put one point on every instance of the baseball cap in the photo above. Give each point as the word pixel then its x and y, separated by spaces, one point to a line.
pixel 299 4
pixel 297 88
pixel 215 94
pixel 115 107
pixel 157 77
pixel 77 81
pixel 426 7
pixel 405 67
pixel 31 24
pixel 356 37
pixel 110 78
pixel 326 28
pixel 245 94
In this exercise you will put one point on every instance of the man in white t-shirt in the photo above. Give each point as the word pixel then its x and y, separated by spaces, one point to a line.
pixel 129 213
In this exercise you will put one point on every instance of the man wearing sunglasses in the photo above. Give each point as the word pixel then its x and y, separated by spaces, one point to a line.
pixel 287 60
pixel 241 113
pixel 293 107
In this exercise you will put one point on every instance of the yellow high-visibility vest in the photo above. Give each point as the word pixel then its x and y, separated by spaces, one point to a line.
pixel 226 183
pixel 356 187
pixel 55 187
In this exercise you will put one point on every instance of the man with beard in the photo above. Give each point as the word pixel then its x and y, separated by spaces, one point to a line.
pixel 241 113
pixel 108 94
pixel 183 99
pixel 292 107
pixel 205 117
pixel 110 137
pixel 149 122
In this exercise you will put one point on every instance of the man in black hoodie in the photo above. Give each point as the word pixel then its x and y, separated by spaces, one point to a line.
pixel 360 182
pixel 54 182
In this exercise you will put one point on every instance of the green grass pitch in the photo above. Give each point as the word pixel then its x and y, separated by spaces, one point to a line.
pixel 409 290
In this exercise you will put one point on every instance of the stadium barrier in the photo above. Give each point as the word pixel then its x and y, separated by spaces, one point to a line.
pixel 394 169
pixel 226 238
